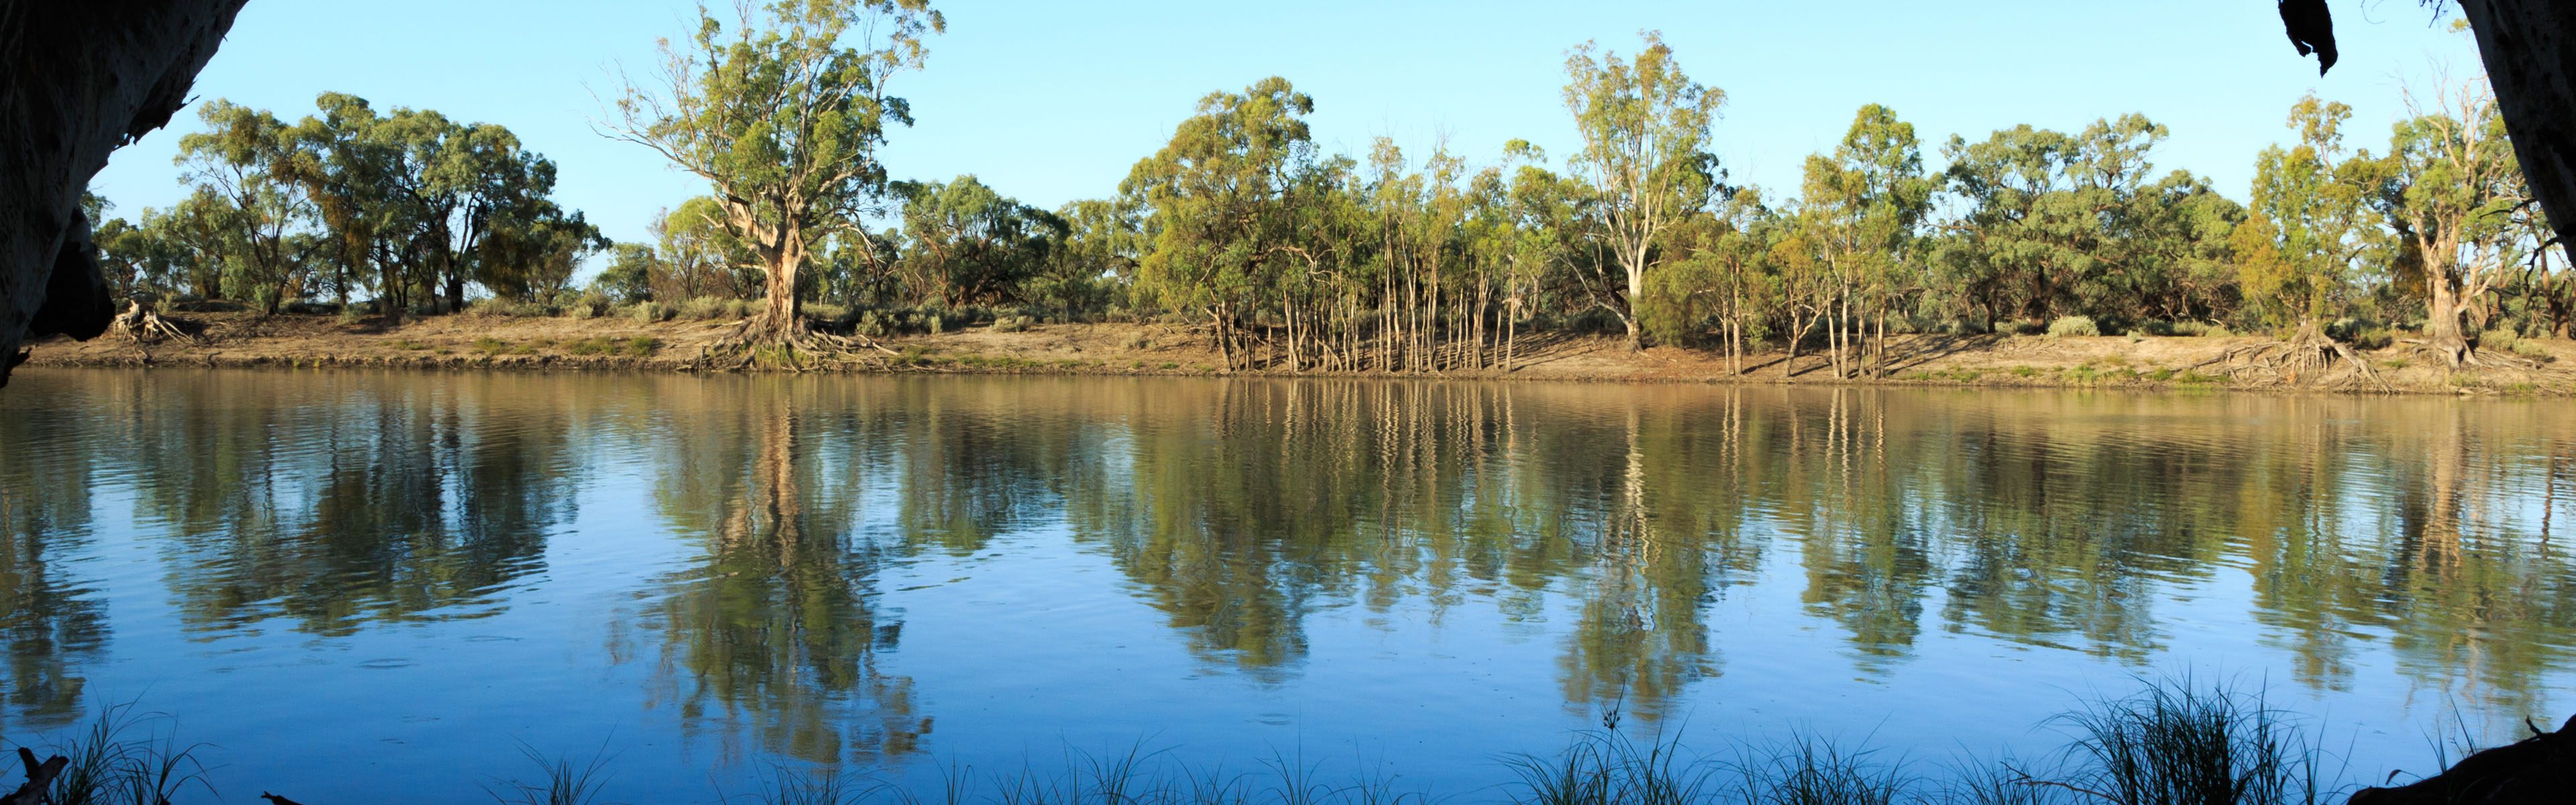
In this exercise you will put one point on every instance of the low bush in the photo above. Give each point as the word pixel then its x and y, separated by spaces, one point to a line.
pixel 2073 326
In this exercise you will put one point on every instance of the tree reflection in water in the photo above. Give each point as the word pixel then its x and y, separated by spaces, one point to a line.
pixel 773 635
pixel 2411 535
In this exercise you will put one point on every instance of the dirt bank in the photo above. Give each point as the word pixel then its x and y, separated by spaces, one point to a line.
pixel 493 342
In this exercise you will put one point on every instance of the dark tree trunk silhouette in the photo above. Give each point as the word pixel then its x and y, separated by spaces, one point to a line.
pixel 2529 47
pixel 77 80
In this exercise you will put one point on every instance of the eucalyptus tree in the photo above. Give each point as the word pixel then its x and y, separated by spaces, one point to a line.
pixel 2314 203
pixel 348 170
pixel 1103 242
pixel 242 161
pixel 421 203
pixel 2456 182
pixel 1550 258
pixel 783 116
pixel 1645 130
pixel 533 249
pixel 698 257
pixel 629 275
pixel 2054 224
pixel 193 235
pixel 1221 227
pixel 1867 202
pixel 969 245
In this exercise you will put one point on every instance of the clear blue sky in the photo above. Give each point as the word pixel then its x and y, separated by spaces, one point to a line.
pixel 1053 101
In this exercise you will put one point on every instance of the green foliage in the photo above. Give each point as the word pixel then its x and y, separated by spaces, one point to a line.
pixel 2059 224
pixel 1645 155
pixel 966 244
pixel 783 120
pixel 2314 220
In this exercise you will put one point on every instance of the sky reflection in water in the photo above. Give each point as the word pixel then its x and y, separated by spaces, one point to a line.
pixel 403 573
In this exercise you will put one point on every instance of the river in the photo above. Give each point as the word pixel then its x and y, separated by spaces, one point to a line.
pixel 343 583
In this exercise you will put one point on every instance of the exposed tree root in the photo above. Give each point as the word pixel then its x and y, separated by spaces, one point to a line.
pixel 2308 359
pixel 142 324
pixel 762 344
pixel 2459 354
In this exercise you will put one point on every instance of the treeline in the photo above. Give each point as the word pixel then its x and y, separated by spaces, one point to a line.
pixel 1294 258
pixel 406 208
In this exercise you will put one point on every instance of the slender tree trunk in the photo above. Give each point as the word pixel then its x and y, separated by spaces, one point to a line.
pixel 1636 290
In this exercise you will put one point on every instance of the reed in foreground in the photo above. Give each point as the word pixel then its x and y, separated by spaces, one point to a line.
pixel 2175 742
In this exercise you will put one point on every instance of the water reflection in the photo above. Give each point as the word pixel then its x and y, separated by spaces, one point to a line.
pixel 2346 534
pixel 53 622
pixel 346 506
pixel 772 635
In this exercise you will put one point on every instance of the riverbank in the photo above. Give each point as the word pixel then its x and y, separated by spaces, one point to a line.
pixel 470 341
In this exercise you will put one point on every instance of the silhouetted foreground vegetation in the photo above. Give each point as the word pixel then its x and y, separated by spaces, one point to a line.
pixel 2176 741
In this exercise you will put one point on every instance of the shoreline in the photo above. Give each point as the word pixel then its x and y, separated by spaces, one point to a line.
pixel 505 343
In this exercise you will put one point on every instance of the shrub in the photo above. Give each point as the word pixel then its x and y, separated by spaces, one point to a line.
pixel 2499 339
pixel 2073 326
pixel 1012 324
pixel 650 312
pixel 590 305
pixel 642 346
pixel 702 308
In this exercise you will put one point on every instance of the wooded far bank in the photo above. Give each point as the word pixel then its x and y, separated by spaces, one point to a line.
pixel 1281 256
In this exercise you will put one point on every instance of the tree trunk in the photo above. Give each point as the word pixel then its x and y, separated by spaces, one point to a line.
pixel 2442 314
pixel 2529 47
pixel 1636 291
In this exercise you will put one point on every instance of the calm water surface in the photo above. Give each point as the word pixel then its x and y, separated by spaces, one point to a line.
pixel 349 583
